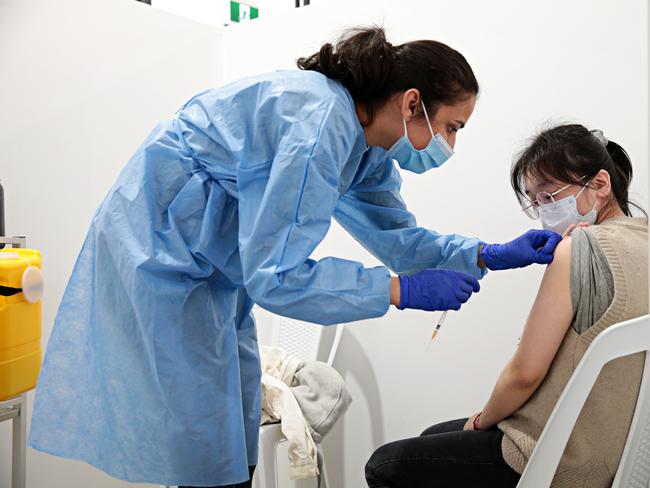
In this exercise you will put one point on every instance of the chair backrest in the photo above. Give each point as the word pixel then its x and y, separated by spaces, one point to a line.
pixel 308 341
pixel 619 340
pixel 634 468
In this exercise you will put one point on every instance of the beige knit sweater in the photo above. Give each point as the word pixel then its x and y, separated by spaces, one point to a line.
pixel 596 444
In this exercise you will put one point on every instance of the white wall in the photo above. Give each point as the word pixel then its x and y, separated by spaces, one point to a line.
pixel 83 81
pixel 212 12
pixel 583 60
pixel 217 12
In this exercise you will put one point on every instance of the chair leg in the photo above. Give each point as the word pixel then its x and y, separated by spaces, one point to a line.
pixel 323 481
pixel 266 475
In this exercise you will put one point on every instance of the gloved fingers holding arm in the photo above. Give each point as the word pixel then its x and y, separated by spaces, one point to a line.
pixel 533 247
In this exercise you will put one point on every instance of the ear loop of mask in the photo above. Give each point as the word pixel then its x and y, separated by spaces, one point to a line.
pixel 426 116
pixel 597 198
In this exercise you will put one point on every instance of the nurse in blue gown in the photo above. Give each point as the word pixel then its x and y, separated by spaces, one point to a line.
pixel 152 371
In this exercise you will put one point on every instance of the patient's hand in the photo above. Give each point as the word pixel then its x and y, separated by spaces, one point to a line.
pixel 573 227
pixel 469 425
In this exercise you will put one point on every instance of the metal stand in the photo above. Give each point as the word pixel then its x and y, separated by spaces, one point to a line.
pixel 16 410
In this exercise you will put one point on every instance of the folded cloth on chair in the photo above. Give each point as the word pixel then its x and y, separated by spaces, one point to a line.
pixel 322 396
pixel 307 397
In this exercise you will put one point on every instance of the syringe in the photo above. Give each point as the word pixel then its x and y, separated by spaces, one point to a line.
pixel 442 319
pixel 438 325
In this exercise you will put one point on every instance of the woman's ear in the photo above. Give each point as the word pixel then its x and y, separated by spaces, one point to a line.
pixel 410 103
pixel 602 183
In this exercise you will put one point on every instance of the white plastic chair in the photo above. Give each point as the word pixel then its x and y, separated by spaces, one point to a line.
pixel 633 471
pixel 309 342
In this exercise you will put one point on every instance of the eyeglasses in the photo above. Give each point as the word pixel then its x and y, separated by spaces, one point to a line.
pixel 531 208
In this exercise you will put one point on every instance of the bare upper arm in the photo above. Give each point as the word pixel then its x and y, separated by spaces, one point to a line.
pixel 549 319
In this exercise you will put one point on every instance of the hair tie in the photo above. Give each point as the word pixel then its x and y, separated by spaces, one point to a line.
pixel 598 134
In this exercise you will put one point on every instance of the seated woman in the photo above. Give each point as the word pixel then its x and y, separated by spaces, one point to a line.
pixel 599 276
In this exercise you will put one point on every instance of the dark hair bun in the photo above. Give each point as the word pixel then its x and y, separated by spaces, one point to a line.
pixel 362 61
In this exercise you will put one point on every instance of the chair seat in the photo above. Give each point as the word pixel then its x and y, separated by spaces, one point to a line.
pixel 271 434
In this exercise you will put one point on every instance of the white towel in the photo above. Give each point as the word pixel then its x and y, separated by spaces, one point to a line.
pixel 279 403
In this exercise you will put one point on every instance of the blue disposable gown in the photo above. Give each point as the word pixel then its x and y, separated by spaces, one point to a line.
pixel 152 371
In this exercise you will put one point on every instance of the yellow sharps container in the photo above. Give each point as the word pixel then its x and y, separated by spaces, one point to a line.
pixel 21 287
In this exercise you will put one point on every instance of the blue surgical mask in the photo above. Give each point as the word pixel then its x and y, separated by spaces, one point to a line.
pixel 437 152
pixel 560 214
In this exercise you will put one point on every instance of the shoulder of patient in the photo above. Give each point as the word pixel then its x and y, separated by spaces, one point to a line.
pixel 563 249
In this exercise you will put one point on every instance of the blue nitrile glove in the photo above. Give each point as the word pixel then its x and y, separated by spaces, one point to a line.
pixel 535 246
pixel 436 289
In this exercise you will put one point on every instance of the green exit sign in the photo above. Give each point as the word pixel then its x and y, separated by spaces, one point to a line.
pixel 240 12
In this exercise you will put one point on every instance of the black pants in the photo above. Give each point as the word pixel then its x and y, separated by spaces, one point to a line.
pixel 245 484
pixel 443 456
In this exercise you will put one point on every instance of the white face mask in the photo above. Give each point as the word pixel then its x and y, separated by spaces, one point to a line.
pixel 559 215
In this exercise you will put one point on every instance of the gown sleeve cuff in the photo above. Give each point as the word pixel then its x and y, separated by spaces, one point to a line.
pixel 379 291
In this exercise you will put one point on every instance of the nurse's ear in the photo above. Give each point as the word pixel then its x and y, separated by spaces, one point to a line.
pixel 602 183
pixel 411 104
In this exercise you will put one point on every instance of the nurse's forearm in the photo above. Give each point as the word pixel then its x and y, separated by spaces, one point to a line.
pixel 394 291
pixel 326 292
